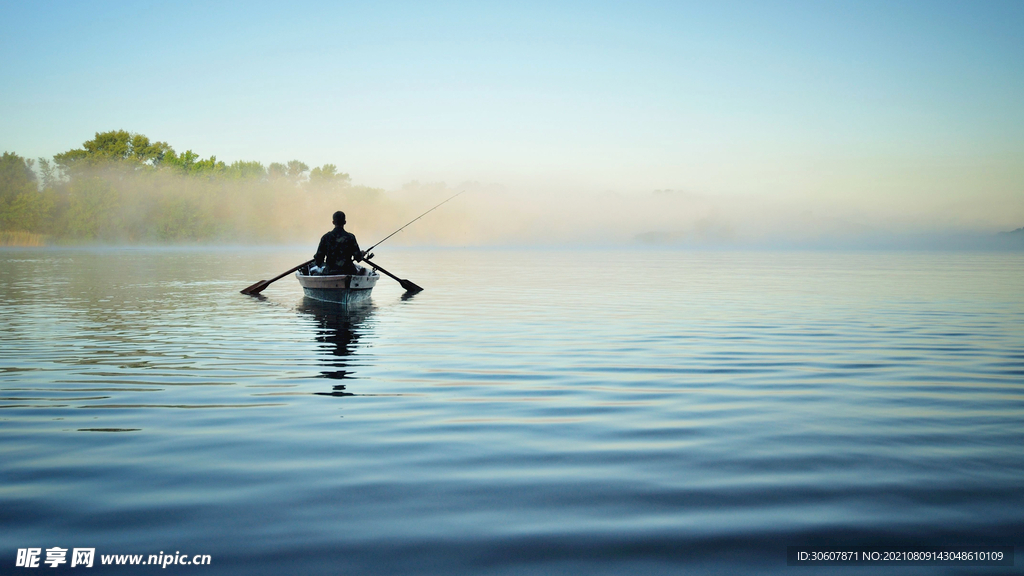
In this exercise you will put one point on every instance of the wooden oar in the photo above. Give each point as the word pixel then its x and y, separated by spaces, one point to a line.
pixel 409 286
pixel 262 284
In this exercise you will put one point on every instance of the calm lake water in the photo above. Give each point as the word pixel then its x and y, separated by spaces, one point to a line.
pixel 530 412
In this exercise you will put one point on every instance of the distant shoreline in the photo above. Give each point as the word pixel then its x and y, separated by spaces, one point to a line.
pixel 19 239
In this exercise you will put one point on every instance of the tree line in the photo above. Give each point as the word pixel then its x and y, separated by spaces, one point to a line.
pixel 123 187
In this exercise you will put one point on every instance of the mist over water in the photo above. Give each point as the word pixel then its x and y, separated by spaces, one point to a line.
pixel 494 215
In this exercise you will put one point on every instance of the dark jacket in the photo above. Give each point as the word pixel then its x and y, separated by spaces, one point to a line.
pixel 337 249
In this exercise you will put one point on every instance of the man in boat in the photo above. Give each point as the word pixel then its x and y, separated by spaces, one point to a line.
pixel 338 249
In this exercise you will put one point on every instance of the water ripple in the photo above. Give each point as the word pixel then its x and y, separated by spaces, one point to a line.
pixel 697 414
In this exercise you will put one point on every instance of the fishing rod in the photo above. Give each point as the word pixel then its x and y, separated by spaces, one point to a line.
pixel 413 220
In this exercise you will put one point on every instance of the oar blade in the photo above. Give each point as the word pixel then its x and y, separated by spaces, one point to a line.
pixel 256 288
pixel 262 284
pixel 410 286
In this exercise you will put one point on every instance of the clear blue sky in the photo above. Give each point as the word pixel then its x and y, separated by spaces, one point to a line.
pixel 855 100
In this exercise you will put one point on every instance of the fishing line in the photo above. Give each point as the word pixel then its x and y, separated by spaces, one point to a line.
pixel 410 222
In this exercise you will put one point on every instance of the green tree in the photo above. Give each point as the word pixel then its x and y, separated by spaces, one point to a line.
pixel 93 210
pixel 122 186
pixel 115 146
pixel 182 162
pixel 22 206
pixel 276 171
pixel 182 218
pixel 296 171
pixel 47 173
pixel 242 170
pixel 328 177
pixel 16 175
pixel 188 162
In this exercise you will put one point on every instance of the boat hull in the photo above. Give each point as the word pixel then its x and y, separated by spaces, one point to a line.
pixel 342 289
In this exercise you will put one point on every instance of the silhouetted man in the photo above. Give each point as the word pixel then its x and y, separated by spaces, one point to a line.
pixel 338 249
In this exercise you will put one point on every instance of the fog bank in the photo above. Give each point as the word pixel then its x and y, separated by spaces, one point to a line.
pixel 494 215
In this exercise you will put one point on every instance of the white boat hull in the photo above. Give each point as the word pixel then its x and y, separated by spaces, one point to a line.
pixel 341 289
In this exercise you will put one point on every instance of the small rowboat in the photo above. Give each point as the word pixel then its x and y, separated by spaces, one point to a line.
pixel 342 289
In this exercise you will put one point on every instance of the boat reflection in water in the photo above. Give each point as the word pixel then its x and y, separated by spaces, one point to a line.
pixel 338 329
